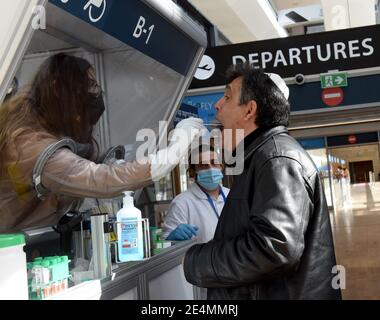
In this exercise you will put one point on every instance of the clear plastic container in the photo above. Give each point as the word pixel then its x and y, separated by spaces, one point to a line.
pixel 13 271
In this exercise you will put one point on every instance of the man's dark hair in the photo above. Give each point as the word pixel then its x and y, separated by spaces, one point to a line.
pixel 272 107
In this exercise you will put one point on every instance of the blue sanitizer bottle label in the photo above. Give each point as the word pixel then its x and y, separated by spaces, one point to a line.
pixel 129 236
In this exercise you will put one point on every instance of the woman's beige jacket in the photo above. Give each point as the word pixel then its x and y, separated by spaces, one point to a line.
pixel 66 175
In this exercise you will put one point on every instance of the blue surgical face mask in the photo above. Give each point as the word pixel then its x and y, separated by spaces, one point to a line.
pixel 210 178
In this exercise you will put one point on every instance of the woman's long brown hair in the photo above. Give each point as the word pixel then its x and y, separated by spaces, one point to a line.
pixel 58 100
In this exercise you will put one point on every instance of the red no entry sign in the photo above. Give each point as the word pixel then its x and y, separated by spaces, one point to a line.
pixel 332 97
pixel 352 139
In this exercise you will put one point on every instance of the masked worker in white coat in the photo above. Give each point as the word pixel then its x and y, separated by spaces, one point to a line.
pixel 195 212
pixel 64 100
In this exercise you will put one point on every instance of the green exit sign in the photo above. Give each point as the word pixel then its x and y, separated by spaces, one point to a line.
pixel 334 80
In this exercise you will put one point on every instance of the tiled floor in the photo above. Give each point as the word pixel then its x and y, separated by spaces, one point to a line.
pixel 356 228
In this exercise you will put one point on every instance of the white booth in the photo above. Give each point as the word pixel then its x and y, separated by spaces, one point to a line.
pixel 145 53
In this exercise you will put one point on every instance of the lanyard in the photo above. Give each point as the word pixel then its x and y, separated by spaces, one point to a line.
pixel 212 202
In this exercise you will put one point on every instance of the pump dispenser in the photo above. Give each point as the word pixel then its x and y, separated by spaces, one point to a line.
pixel 129 230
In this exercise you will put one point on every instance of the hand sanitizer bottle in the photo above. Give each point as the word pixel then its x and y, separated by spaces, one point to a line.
pixel 129 231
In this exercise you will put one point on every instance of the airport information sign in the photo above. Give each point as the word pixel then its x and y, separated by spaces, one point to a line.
pixel 311 54
pixel 139 26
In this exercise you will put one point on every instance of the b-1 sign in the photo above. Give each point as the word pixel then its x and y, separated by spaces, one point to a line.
pixel 334 80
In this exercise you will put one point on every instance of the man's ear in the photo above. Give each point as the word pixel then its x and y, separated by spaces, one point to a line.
pixel 250 111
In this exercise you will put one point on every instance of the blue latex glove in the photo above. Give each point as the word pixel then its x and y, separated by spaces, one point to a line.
pixel 183 232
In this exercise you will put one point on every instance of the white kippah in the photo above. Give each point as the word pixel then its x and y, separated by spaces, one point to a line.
pixel 280 83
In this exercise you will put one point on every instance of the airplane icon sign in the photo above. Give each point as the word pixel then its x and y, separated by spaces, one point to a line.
pixel 90 5
pixel 206 68
pixel 98 4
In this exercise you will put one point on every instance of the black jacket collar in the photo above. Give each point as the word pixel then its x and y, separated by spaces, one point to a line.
pixel 256 139
pixel 253 141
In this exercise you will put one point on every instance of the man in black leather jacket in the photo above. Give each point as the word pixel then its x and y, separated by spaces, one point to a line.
pixel 274 238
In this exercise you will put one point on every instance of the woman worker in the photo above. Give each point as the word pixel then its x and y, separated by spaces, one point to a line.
pixel 64 100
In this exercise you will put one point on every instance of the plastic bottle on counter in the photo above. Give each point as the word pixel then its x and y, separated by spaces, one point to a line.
pixel 129 231
pixel 46 279
pixel 38 279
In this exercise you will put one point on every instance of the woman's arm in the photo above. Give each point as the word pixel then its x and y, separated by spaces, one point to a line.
pixel 68 174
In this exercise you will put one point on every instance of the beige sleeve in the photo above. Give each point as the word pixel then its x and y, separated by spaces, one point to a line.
pixel 68 174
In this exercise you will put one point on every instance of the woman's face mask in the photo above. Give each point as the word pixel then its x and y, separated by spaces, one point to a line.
pixel 97 108
pixel 210 179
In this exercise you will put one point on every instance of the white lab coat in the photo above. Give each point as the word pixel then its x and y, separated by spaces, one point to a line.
pixel 192 207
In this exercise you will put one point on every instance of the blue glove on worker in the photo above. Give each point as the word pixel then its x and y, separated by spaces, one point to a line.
pixel 183 232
